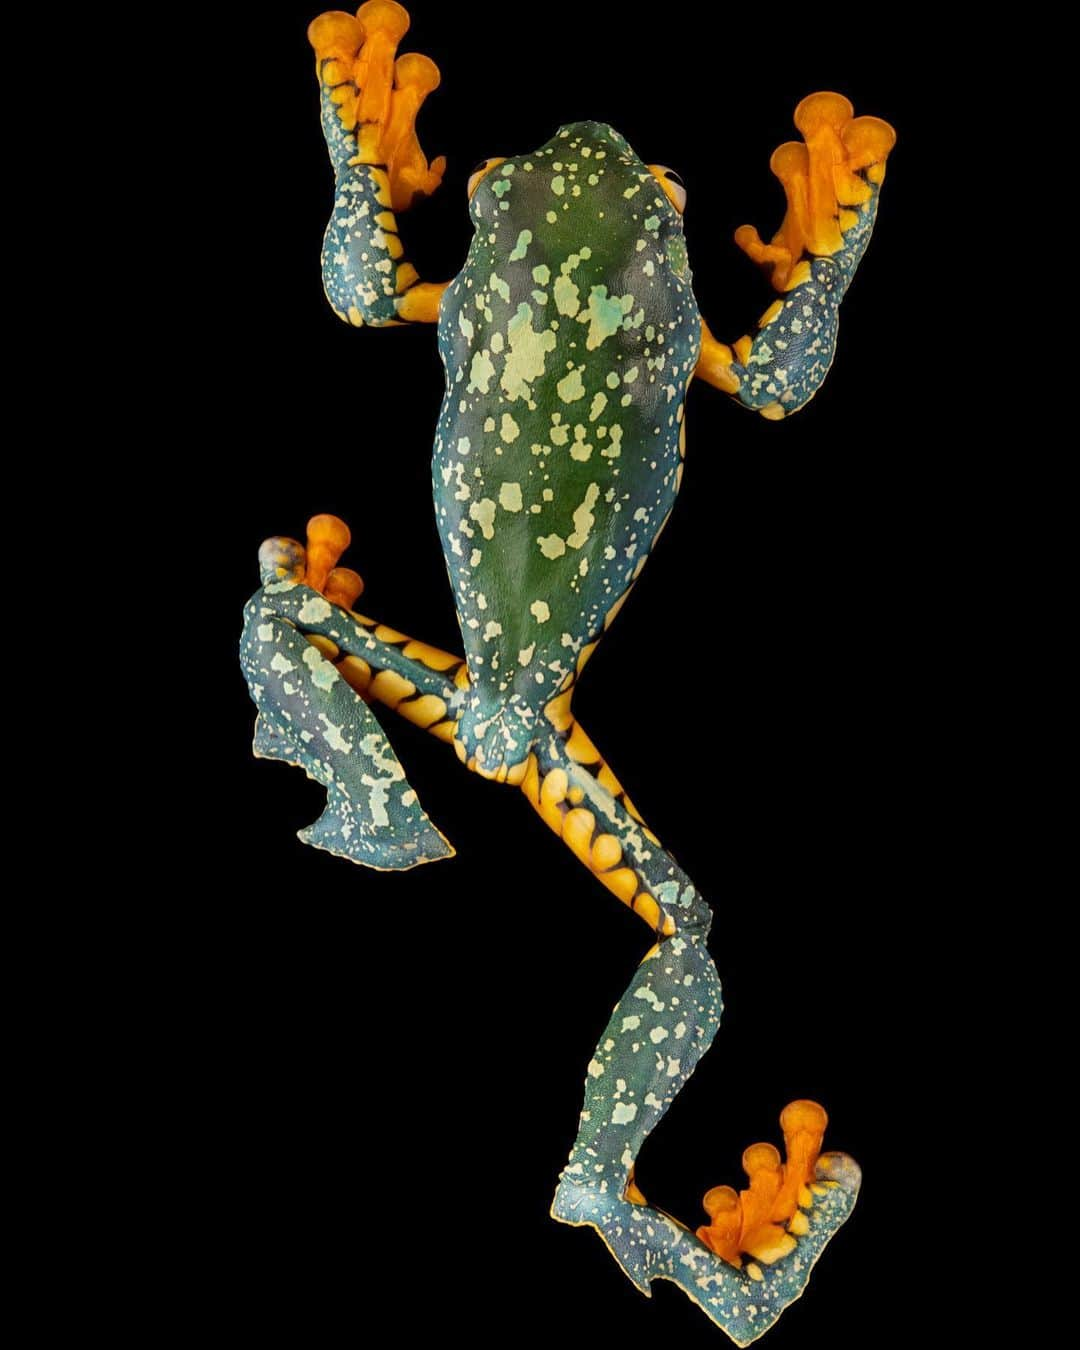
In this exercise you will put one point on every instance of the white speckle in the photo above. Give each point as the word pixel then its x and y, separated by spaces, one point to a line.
pixel 332 735
pixel 314 610
pixel 552 545
pixel 510 496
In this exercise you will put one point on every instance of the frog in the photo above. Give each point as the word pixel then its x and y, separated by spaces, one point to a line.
pixel 569 340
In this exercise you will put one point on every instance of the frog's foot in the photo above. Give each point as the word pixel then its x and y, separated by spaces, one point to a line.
pixel 284 559
pixel 832 181
pixel 755 1256
pixel 375 97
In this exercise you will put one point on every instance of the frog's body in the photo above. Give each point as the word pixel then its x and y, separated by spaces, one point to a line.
pixel 569 340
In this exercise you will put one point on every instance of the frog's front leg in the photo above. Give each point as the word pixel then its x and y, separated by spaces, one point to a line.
pixel 754 1256
pixel 832 181
pixel 369 105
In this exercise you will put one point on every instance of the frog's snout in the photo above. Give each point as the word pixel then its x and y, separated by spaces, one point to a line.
pixel 593 132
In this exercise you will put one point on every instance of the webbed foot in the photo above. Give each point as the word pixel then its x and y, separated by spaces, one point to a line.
pixel 376 98
pixel 832 181
pixel 755 1256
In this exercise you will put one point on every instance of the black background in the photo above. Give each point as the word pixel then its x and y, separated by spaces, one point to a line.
pixel 393 1064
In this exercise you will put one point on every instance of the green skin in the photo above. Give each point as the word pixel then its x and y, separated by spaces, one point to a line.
pixel 569 339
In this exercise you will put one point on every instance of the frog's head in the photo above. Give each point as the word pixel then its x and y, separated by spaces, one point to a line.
pixel 584 187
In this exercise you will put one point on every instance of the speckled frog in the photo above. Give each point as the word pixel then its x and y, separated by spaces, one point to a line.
pixel 569 338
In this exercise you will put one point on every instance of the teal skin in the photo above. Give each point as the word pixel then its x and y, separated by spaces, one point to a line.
pixel 569 339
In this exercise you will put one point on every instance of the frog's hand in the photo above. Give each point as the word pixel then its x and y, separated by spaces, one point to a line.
pixel 832 183
pixel 754 1257
pixel 369 107
pixel 310 714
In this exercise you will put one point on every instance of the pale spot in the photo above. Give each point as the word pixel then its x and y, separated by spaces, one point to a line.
pixel 483 512
pixel 584 518
pixel 314 610
pixel 510 496
pixel 333 737
pixel 509 430
pixel 567 296
pixel 525 360
pixel 323 674
pixel 623 1113
pixel 481 371
pixel 570 388
pixel 541 612
pixel 605 315
pixel 657 1035
pixel 552 546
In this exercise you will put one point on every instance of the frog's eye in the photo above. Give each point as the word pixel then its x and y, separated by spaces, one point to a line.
pixel 481 171
pixel 673 185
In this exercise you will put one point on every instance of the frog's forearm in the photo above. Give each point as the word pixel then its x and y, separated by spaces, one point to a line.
pixel 832 183
pixel 369 104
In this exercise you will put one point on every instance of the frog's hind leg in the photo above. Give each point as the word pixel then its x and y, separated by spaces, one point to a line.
pixel 754 1256
pixel 423 684
pixel 313 666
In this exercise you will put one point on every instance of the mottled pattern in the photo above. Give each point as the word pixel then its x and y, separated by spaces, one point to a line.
pixel 309 716
pixel 792 353
pixel 569 338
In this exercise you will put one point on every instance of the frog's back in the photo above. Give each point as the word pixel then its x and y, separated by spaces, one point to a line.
pixel 568 338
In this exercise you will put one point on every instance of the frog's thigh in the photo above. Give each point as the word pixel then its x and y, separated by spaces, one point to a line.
pixel 755 1255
